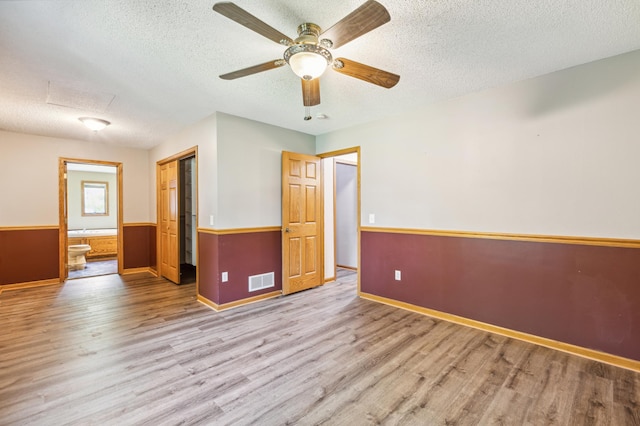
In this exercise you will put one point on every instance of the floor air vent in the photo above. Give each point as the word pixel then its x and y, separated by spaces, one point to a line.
pixel 258 282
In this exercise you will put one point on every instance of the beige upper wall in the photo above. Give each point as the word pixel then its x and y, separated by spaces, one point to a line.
pixel 239 164
pixel 29 174
pixel 554 155
pixel 248 180
pixel 203 136
pixel 250 171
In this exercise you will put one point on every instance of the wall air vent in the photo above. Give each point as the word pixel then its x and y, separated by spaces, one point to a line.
pixel 258 282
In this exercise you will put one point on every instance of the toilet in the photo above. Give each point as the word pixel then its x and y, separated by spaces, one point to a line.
pixel 76 256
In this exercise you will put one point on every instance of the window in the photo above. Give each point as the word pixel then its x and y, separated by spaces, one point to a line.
pixel 95 198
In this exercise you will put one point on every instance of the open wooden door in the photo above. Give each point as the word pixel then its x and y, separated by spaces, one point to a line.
pixel 169 216
pixel 301 222
pixel 64 220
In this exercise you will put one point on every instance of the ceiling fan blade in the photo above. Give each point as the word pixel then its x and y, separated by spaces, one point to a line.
pixel 242 17
pixel 366 73
pixel 367 17
pixel 253 70
pixel 311 92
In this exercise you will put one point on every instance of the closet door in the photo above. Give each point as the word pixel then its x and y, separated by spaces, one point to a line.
pixel 169 222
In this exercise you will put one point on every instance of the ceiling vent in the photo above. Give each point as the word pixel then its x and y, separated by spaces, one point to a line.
pixel 72 97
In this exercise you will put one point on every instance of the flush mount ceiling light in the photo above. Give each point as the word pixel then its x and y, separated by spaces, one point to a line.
pixel 94 124
pixel 308 55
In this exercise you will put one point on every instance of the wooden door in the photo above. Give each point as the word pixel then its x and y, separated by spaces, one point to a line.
pixel 169 216
pixel 301 222
pixel 64 222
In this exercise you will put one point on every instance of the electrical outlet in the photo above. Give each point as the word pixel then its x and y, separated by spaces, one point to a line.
pixel 398 275
pixel 225 277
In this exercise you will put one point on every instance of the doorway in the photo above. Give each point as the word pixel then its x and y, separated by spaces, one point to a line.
pixel 177 208
pixel 188 223
pixel 309 232
pixel 90 218
pixel 342 213
pixel 346 219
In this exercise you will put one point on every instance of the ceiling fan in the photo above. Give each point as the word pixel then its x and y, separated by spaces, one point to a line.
pixel 309 55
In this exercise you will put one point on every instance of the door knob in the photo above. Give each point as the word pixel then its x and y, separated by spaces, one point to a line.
pixel 286 230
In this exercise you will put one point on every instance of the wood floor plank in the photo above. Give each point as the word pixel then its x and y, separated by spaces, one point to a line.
pixel 481 387
pixel 137 349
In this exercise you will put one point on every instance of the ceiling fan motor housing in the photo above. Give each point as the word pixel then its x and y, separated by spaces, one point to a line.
pixel 308 30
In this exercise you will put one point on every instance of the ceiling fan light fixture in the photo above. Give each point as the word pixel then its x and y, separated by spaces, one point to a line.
pixel 95 124
pixel 308 54
pixel 308 61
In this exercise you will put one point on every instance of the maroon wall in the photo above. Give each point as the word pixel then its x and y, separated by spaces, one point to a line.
pixel 139 246
pixel 28 255
pixel 153 248
pixel 584 295
pixel 208 270
pixel 241 255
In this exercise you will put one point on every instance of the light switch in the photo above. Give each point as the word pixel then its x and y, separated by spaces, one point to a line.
pixel 225 277
pixel 372 218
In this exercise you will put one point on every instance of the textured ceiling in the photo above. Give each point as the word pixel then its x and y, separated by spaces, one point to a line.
pixel 151 67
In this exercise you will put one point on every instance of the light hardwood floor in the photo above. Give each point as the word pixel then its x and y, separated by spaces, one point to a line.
pixel 126 350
